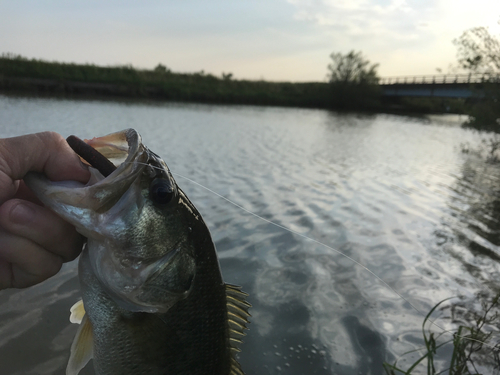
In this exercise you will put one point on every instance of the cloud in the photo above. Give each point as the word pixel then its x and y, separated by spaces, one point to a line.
pixel 405 36
pixel 360 19
pixel 386 22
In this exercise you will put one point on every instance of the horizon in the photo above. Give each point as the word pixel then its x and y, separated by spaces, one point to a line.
pixel 221 76
pixel 281 41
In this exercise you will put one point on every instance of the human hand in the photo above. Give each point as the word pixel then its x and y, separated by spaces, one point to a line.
pixel 34 242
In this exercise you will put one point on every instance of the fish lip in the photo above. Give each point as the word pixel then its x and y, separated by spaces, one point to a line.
pixel 135 152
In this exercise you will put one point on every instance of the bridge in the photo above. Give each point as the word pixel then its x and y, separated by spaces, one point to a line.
pixel 438 86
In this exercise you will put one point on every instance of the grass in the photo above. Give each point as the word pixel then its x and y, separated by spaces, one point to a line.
pixel 472 343
pixel 19 73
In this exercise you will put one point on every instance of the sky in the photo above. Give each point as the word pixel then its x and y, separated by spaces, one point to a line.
pixel 276 40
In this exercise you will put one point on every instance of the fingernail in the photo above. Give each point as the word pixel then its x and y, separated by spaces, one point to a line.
pixel 85 176
pixel 22 213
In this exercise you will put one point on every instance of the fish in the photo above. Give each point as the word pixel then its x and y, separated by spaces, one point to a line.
pixel 153 297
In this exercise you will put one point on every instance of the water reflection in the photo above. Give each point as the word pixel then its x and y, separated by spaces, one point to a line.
pixel 471 231
pixel 308 314
pixel 465 253
pixel 340 120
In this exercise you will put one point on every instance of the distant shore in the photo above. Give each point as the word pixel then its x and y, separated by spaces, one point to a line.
pixel 242 92
pixel 19 75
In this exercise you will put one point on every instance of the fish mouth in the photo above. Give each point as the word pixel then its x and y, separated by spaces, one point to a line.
pixel 115 148
pixel 124 151
pixel 75 201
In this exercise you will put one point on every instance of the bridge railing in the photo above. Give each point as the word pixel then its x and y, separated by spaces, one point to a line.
pixel 441 79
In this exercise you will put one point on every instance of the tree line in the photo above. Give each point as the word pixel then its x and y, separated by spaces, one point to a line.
pixel 353 83
pixel 18 73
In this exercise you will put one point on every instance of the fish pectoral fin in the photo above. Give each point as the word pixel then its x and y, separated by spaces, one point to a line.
pixel 82 349
pixel 77 312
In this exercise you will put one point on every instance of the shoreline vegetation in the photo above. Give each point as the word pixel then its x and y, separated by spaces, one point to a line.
pixel 20 75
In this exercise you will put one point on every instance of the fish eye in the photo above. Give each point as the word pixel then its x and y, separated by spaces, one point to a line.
pixel 161 191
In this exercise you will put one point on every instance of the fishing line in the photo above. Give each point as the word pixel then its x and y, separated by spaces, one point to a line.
pixel 334 250
pixel 303 236
pixel 433 322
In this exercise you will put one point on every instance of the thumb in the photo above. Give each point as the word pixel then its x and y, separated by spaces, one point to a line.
pixel 46 152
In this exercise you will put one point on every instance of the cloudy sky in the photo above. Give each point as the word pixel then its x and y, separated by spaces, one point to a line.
pixel 280 40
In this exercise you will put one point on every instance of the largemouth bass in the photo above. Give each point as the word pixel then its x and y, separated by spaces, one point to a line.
pixel 154 301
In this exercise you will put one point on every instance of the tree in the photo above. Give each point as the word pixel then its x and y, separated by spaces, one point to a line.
pixel 352 68
pixel 161 69
pixel 479 52
pixel 353 81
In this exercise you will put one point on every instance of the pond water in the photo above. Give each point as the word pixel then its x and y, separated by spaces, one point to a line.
pixel 408 219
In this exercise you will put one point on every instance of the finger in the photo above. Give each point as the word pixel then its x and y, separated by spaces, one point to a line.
pixel 24 263
pixel 25 193
pixel 41 226
pixel 47 153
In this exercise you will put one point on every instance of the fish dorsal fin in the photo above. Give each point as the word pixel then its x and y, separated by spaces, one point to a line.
pixel 82 348
pixel 237 314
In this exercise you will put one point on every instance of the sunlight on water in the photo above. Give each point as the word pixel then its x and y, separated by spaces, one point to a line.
pixel 394 193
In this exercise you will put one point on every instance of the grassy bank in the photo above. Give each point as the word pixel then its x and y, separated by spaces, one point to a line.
pixel 18 74
pixel 473 345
